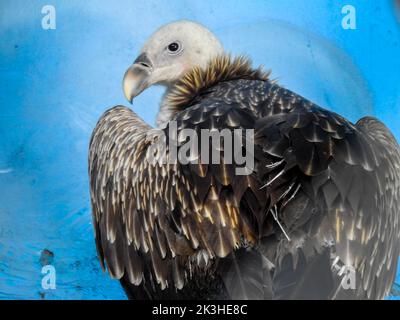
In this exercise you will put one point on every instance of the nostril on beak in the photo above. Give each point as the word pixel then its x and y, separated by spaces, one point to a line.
pixel 144 64
pixel 143 61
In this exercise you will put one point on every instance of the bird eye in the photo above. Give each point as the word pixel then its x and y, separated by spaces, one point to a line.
pixel 174 47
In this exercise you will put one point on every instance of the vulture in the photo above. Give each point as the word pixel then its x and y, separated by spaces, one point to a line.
pixel 315 215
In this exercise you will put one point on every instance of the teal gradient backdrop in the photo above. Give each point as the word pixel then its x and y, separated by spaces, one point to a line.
pixel 55 84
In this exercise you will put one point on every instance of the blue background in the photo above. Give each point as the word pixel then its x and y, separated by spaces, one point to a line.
pixel 55 84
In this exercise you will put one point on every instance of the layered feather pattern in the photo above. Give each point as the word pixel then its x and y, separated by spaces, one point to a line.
pixel 324 191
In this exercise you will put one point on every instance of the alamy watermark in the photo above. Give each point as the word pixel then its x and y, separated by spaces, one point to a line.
pixel 49 278
pixel 48 270
pixel 346 273
pixel 349 21
pixel 49 18
pixel 204 146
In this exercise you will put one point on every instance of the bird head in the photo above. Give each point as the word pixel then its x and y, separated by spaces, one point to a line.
pixel 171 51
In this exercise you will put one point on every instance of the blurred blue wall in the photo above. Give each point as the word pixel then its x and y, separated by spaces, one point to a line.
pixel 54 85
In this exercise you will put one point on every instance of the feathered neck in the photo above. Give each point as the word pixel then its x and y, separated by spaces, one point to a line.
pixel 197 80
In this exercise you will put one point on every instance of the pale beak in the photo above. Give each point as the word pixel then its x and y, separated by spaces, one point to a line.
pixel 136 78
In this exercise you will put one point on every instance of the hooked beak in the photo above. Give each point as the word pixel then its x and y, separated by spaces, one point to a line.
pixel 136 78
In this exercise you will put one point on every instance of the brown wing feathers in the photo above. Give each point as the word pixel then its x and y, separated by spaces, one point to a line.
pixel 331 186
pixel 147 215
